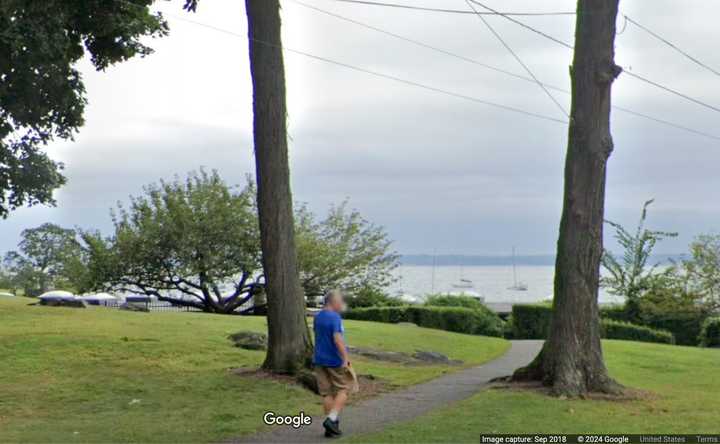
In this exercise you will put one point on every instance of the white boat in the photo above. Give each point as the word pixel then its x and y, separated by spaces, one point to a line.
pixel 7 295
pixel 517 285
pixel 463 283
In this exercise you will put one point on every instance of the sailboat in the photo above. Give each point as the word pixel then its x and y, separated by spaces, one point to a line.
pixel 517 285
pixel 463 283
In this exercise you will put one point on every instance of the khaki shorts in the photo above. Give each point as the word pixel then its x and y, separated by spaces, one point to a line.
pixel 336 379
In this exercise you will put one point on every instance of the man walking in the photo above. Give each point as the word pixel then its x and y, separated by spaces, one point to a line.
pixel 336 378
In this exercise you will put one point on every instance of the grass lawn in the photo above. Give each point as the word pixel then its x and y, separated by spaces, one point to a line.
pixel 100 375
pixel 685 381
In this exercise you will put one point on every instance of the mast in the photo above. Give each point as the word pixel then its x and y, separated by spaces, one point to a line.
pixel 515 283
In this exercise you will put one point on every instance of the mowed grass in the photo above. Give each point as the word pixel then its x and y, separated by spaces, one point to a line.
pixel 99 375
pixel 684 381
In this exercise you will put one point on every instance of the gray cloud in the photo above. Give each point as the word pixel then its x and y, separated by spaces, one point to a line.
pixel 439 172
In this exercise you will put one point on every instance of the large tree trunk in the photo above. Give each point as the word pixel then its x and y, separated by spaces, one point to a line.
pixel 289 345
pixel 571 362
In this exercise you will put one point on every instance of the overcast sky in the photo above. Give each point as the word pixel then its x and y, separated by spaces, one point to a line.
pixel 440 173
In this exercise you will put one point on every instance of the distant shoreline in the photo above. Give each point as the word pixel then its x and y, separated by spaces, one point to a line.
pixel 528 260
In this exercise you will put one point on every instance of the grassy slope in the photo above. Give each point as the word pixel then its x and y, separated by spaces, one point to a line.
pixel 684 379
pixel 69 375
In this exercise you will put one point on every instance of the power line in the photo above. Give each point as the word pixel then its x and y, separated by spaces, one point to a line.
pixel 449 11
pixel 625 70
pixel 524 25
pixel 425 45
pixel 461 57
pixel 377 73
pixel 666 122
pixel 672 45
pixel 493 68
pixel 519 60
pixel 671 91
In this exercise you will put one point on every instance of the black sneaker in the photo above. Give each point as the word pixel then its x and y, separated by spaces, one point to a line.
pixel 332 428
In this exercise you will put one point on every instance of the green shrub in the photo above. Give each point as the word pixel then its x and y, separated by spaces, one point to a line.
pixel 457 319
pixel 610 329
pixel 531 321
pixel 615 312
pixel 685 326
pixel 710 333
pixel 447 300
pixel 371 297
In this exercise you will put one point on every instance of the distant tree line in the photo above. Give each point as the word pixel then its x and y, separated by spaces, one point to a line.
pixel 195 242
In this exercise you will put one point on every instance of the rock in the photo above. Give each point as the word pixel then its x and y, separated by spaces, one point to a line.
pixel 249 340
pixel 432 357
pixel 135 307
pixel 380 355
pixel 63 303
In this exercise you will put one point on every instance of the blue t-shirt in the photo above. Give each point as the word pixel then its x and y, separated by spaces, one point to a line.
pixel 326 324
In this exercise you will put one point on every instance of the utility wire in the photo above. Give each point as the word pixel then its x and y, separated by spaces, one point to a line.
pixel 672 91
pixel 625 70
pixel 524 25
pixel 517 57
pixel 450 11
pixel 467 59
pixel 672 45
pixel 377 73
pixel 425 45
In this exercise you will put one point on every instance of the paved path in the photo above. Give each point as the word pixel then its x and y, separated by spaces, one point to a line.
pixel 375 414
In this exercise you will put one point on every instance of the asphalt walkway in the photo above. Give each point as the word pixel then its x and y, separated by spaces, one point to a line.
pixel 375 414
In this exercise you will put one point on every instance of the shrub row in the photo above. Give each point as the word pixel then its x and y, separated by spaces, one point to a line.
pixel 685 326
pixel 710 334
pixel 456 319
pixel 611 329
pixel 532 321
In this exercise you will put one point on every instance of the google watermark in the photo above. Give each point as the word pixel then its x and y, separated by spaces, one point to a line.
pixel 295 421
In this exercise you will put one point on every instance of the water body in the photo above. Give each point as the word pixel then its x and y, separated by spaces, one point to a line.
pixel 492 282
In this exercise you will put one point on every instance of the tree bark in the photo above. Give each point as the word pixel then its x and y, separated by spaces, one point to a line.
pixel 571 361
pixel 289 346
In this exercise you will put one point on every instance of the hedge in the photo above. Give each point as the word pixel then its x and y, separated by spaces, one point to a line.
pixel 710 333
pixel 610 329
pixel 532 321
pixel 456 319
pixel 685 326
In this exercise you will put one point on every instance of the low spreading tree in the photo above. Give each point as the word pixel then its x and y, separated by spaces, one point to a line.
pixel 343 250
pixel 192 243
pixel 47 257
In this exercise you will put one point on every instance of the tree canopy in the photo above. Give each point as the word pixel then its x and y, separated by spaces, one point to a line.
pixel 48 256
pixel 42 96
pixel 192 242
pixel 342 250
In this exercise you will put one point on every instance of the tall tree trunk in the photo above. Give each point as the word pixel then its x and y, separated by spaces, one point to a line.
pixel 571 362
pixel 289 345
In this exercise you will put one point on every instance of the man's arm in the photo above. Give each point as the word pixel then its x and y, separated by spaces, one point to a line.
pixel 340 344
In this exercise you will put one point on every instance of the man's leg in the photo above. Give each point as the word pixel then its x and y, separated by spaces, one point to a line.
pixel 341 398
pixel 328 403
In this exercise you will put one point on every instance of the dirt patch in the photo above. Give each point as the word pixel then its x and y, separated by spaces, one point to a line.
pixel 626 395
pixel 370 386
pixel 420 357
